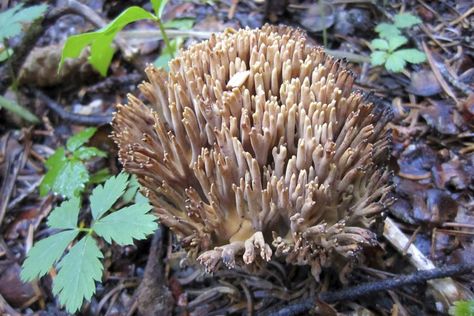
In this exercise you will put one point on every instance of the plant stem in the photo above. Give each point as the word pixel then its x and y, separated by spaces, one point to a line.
pixel 85 230
pixel 165 37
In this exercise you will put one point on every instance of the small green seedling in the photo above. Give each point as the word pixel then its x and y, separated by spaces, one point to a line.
pixel 67 174
pixel 386 48
pixel 100 42
pixel 12 21
pixel 81 267
pixel 462 308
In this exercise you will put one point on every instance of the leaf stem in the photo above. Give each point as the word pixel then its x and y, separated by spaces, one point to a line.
pixel 165 37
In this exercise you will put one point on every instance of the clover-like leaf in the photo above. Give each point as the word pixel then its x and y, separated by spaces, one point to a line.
pixel 126 224
pixel 395 42
pixel 65 216
pixel 395 63
pixel 45 253
pixel 378 58
pixel 462 308
pixel 387 30
pixel 404 20
pixel 78 271
pixel 411 55
pixel 104 196
pixel 379 43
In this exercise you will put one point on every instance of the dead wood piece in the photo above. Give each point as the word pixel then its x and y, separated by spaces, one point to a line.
pixel 153 295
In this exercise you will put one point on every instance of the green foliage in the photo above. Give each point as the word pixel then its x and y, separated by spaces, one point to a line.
pixel 81 267
pixel 12 20
pixel 100 42
pixel 17 109
pixel 385 49
pixel 67 174
pixel 168 54
pixel 405 20
pixel 462 308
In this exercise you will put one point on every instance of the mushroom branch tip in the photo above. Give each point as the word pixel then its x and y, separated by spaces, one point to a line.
pixel 253 146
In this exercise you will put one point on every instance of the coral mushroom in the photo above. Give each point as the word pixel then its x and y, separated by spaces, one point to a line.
pixel 254 145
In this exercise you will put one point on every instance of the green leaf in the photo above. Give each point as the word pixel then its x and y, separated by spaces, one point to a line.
pixel 104 196
pixel 78 271
pixel 80 138
pixel 395 42
pixel 387 30
pixel 100 176
pixel 163 60
pixel 5 54
pixel 395 63
pixel 12 19
pixel 404 20
pixel 411 55
pixel 132 189
pixel 85 153
pixel 55 163
pixel 378 58
pixel 462 308
pixel 101 52
pixel 159 7
pixel 71 179
pixel 180 24
pixel 65 216
pixel 44 254
pixel 379 44
pixel 119 227
pixel 18 110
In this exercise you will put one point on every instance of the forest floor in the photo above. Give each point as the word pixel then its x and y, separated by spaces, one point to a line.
pixel 432 159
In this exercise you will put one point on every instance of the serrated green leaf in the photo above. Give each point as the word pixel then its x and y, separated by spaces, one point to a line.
pixel 65 216
pixel 104 196
pixel 126 224
pixel 55 163
pixel 379 43
pixel 71 179
pixel 404 20
pixel 159 7
pixel 78 271
pixel 100 176
pixel 85 153
pixel 411 55
pixel 180 24
pixel 378 58
pixel 79 139
pixel 132 189
pixel 395 63
pixel 395 42
pixel 141 199
pixel 387 30
pixel 462 308
pixel 101 52
pixel 12 19
pixel 45 253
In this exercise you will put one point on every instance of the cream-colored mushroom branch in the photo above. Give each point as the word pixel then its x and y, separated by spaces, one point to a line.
pixel 255 146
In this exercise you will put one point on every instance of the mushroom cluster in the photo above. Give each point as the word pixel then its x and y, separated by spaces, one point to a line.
pixel 254 146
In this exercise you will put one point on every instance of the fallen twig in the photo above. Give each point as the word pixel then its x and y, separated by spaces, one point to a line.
pixel 302 305
pixel 91 120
